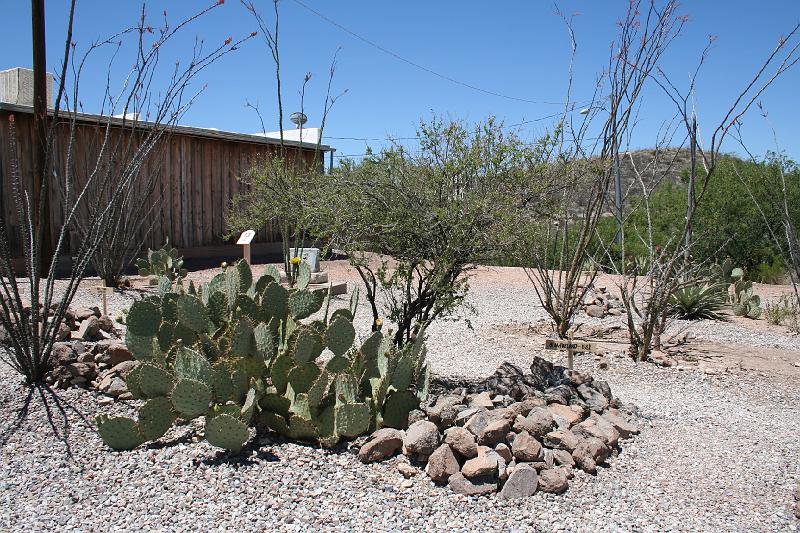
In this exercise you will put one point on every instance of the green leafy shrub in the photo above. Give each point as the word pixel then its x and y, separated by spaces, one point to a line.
pixel 700 301
pixel 238 352
pixel 164 262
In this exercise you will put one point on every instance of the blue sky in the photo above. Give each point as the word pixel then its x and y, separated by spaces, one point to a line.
pixel 516 48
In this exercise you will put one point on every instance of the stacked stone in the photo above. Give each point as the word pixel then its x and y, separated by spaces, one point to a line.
pixel 599 303
pixel 90 353
pixel 526 432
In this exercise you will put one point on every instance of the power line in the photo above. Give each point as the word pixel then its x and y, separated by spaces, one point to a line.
pixel 416 137
pixel 417 65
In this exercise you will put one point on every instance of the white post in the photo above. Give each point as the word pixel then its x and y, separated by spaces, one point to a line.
pixel 244 240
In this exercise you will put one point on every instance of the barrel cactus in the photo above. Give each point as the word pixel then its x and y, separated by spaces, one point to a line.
pixel 242 352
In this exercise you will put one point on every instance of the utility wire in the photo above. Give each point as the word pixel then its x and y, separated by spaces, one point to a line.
pixel 507 126
pixel 417 65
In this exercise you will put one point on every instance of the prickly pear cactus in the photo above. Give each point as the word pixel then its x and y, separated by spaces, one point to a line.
pixel 240 351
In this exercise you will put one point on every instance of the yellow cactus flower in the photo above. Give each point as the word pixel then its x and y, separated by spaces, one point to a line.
pixel 295 260
pixel 224 264
pixel 378 322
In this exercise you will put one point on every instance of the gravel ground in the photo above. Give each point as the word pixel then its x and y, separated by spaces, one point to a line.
pixel 717 453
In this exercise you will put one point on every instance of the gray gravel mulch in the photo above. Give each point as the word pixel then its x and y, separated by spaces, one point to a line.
pixel 716 453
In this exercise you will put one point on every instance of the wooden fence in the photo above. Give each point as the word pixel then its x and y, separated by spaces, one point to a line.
pixel 195 172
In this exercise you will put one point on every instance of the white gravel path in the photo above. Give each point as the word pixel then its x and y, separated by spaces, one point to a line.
pixel 717 453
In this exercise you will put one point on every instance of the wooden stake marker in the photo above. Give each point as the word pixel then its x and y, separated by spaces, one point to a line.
pixel 104 294
pixel 244 240
pixel 570 346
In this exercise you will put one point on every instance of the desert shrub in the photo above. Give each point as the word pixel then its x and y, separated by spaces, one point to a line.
pixel 699 301
pixel 244 352
pixel 784 311
pixel 414 225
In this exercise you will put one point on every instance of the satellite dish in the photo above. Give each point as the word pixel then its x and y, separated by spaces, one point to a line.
pixel 298 118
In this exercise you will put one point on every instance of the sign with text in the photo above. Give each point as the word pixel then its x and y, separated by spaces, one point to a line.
pixel 246 237
pixel 573 346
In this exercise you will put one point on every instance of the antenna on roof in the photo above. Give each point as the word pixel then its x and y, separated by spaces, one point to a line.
pixel 298 118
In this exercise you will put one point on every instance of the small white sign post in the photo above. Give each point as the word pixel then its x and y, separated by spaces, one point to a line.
pixel 244 240
pixel 570 346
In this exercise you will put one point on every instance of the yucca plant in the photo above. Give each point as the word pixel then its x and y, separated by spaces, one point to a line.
pixel 698 301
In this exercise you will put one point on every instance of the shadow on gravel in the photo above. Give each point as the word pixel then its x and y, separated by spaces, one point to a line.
pixel 56 410
pixel 246 457
pixel 161 444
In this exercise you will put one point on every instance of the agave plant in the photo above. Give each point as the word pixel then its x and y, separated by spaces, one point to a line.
pixel 698 301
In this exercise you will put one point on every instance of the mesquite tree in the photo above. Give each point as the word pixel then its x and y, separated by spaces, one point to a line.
pixel 416 224
pixel 32 308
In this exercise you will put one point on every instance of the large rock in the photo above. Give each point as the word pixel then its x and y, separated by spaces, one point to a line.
pixel 477 422
pixel 564 415
pixel 526 448
pixel 83 314
pixel 483 399
pixel 123 368
pixel 538 423
pixel 594 399
pixel 484 465
pixel 106 323
pixel 560 394
pixel 603 387
pixel 85 370
pixel 595 311
pixel 623 427
pixel 494 432
pixel 115 354
pixel 442 464
pixel 596 426
pixel 522 483
pixel 589 453
pixel 89 329
pixel 381 445
pixel 63 353
pixel 421 438
pixel 562 439
pixel 462 442
pixel 460 484
pixel 563 458
pixel 113 386
pixel 553 480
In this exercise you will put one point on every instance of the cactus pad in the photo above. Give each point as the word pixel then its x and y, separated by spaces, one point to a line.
pixel 275 300
pixel 273 421
pixel 275 403
pixel 352 419
pixel 303 275
pixel 119 432
pixel 242 341
pixel 134 382
pixel 319 390
pixel 191 398
pixel 304 303
pixel 265 342
pixel 308 345
pixel 154 380
pixel 398 405
pixel 337 364
pixel 222 383
pixel 155 418
pixel 303 376
pixel 280 371
pixel 144 317
pixel 302 429
pixel 191 313
pixel 142 348
pixel 245 275
pixel 190 364
pixel 226 431
pixel 340 335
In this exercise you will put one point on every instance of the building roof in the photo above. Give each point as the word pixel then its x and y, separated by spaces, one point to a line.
pixel 181 130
